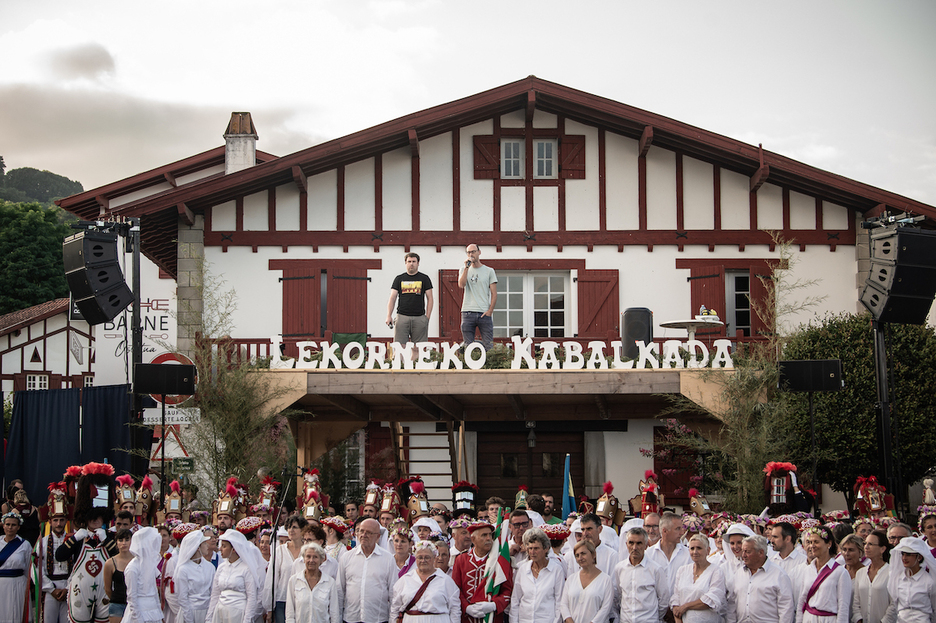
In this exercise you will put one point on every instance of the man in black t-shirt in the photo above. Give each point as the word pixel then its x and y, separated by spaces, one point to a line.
pixel 414 291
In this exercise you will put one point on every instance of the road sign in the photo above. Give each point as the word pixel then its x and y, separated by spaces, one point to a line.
pixel 174 415
pixel 183 465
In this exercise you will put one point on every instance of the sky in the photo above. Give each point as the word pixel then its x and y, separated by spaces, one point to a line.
pixel 100 90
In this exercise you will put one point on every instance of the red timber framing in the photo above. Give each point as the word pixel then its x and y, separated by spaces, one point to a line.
pixel 160 212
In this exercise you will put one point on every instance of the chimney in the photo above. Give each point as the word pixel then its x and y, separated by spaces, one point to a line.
pixel 240 143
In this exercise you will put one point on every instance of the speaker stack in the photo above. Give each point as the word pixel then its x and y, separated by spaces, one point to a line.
pixel 94 276
pixel 902 282
pixel 636 326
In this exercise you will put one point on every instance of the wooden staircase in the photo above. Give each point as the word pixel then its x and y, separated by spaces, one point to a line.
pixel 435 452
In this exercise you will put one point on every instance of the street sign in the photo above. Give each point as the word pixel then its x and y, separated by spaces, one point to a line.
pixel 174 415
pixel 184 465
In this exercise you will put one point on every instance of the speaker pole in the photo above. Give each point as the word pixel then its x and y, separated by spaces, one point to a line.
pixel 136 352
pixel 884 412
pixel 162 476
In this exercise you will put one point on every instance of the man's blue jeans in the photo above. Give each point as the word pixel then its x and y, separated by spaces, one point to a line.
pixel 477 320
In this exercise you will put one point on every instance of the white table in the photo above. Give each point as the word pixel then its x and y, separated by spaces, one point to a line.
pixel 691 326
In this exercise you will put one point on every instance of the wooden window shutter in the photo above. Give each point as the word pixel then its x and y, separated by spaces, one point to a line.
pixel 19 382
pixel 449 305
pixel 301 305
pixel 347 300
pixel 598 303
pixel 707 287
pixel 760 289
pixel 486 157
pixel 572 157
pixel 673 467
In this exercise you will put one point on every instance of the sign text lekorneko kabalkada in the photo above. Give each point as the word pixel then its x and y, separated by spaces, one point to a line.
pixel 355 356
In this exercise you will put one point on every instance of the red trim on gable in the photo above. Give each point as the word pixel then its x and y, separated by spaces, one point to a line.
pixel 456 182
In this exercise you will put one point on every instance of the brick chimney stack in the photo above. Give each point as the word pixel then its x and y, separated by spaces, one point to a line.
pixel 240 138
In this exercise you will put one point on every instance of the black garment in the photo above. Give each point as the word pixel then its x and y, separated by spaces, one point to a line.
pixel 118 587
pixel 412 288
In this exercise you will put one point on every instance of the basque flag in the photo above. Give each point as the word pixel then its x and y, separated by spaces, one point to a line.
pixel 568 495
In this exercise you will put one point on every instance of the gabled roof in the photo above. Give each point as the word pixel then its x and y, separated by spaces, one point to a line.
pixel 160 212
pixel 25 317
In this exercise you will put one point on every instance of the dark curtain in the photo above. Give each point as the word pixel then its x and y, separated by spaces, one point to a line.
pixel 43 439
pixel 106 430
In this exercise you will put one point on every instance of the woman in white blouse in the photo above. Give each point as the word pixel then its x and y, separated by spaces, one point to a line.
pixel 870 598
pixel 193 578
pixel 537 583
pixel 826 593
pixel 140 575
pixel 440 602
pixel 912 583
pixel 235 589
pixel 588 595
pixel 312 596
pixel 699 593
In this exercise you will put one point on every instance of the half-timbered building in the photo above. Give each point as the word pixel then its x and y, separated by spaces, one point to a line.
pixel 584 206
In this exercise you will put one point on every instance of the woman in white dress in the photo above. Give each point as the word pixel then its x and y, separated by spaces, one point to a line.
pixel 312 596
pixel 538 582
pixel 15 556
pixel 235 589
pixel 280 569
pixel 140 575
pixel 193 579
pixel 440 602
pixel 870 598
pixel 912 583
pixel 826 593
pixel 588 595
pixel 699 593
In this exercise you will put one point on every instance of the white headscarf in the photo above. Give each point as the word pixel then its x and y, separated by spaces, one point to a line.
pixel 249 553
pixel 912 545
pixel 189 546
pixel 730 559
pixel 425 522
pixel 144 545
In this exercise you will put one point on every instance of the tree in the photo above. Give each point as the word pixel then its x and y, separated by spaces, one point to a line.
pixel 846 420
pixel 41 186
pixel 241 431
pixel 746 406
pixel 31 269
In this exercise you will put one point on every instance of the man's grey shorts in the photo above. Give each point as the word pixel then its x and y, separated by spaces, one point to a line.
pixel 411 329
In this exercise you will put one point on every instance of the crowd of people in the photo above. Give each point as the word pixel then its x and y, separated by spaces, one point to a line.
pixel 394 558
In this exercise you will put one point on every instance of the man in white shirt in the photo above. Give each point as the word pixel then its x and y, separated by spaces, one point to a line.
pixel 366 575
pixel 669 552
pixel 641 586
pixel 461 539
pixel 519 523
pixel 786 555
pixel 54 573
pixel 591 531
pixel 759 591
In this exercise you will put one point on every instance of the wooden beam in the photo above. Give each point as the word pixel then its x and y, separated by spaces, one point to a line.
pixel 413 142
pixel 519 408
pixel 300 179
pixel 423 404
pixel 531 106
pixel 348 404
pixel 103 202
pixel 185 214
pixel 646 139
pixel 169 177
pixel 450 405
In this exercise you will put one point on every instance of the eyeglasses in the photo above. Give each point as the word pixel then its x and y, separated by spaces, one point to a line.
pixel 648 526
pixel 520 524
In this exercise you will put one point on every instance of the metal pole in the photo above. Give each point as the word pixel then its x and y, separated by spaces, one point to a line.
pixel 884 413
pixel 162 476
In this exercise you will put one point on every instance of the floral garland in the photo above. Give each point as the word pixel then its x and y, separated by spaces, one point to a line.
pixel 693 522
pixel 925 511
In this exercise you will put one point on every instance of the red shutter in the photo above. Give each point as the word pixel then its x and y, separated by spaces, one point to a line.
pixel 301 305
pixel 449 302
pixel 673 467
pixel 598 303
pixel 347 300
pixel 486 158
pixel 572 157
pixel 19 382
pixel 55 381
pixel 707 287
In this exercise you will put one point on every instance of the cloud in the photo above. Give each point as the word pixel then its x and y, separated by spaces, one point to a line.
pixel 90 61
pixel 98 137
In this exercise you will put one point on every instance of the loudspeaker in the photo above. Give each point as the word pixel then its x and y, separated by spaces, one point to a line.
pixel 902 281
pixel 636 326
pixel 163 378
pixel 94 276
pixel 811 375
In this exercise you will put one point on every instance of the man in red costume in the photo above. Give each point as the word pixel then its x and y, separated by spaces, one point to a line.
pixel 468 574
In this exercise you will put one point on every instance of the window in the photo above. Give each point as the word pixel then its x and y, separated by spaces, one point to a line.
pixel 89 381
pixel 37 381
pixel 544 154
pixel 738 302
pixel 532 304
pixel 512 158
